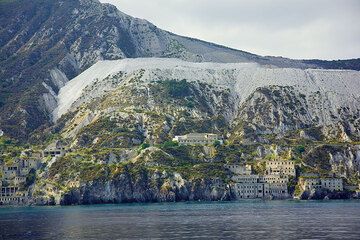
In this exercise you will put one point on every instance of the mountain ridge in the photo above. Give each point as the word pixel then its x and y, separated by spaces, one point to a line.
pixel 46 43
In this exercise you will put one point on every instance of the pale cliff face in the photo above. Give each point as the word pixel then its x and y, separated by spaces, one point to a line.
pixel 266 99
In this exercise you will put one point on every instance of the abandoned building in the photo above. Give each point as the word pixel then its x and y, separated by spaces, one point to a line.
pixel 56 149
pixel 197 139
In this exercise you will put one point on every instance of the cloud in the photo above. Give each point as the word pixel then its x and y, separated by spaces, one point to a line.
pixel 326 29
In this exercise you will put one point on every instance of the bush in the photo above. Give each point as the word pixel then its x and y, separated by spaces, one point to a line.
pixel 300 149
pixel 169 144
pixel 177 89
pixel 144 146
pixel 217 143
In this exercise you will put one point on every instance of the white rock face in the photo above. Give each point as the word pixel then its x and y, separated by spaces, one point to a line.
pixel 327 90
pixel 58 77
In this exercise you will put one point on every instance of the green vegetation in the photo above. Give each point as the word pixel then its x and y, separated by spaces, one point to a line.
pixel 30 179
pixel 177 89
pixel 144 146
pixel 300 149
pixel 169 144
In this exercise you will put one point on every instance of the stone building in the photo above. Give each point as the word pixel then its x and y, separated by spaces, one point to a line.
pixel 10 171
pixel 56 149
pixel 197 139
pixel 285 167
pixel 261 186
pixel 13 178
pixel 249 186
pixel 332 184
pixel 10 195
pixel 275 178
pixel 251 190
pixel 310 183
pixel 278 185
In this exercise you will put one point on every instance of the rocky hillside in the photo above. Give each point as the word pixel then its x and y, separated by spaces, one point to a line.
pixel 44 43
pixel 118 117
pixel 116 89
pixel 154 99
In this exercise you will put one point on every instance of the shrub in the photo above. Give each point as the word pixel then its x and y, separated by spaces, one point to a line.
pixel 144 146
pixel 177 89
pixel 300 149
pixel 169 144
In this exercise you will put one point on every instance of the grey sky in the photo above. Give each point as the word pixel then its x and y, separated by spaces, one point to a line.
pixel 325 29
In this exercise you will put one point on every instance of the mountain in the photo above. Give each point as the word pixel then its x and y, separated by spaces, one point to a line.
pixel 114 90
pixel 160 97
pixel 119 117
pixel 44 43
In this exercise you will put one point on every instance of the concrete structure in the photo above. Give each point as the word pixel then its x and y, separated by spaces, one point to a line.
pixel 278 185
pixel 258 186
pixel 197 139
pixel 10 195
pixel 8 191
pixel 308 184
pixel 252 178
pixel 251 190
pixel 275 178
pixel 55 149
pixel 19 180
pixel 332 184
pixel 285 167
pixel 244 169
pixel 10 171
pixel 13 178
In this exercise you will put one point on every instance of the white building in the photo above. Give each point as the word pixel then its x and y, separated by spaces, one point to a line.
pixel 285 167
pixel 278 185
pixel 275 178
pixel 251 190
pixel 197 139
pixel 258 186
pixel 1 133
pixel 252 178
pixel 332 184
pixel 55 149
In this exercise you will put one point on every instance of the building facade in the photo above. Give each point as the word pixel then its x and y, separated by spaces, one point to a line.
pixel 13 178
pixel 261 186
pixel 283 167
pixel 197 139
pixel 332 184
pixel 55 149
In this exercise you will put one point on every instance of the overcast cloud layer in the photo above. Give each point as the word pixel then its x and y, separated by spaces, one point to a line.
pixel 324 29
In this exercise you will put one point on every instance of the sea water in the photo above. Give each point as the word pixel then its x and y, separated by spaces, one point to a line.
pixel 253 219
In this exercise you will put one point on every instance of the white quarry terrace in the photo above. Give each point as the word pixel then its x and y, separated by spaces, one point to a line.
pixel 338 87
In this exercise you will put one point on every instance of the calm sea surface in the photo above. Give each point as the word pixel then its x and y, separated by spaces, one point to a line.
pixel 225 220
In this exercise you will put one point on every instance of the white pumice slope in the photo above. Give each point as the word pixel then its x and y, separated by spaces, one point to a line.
pixel 337 88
